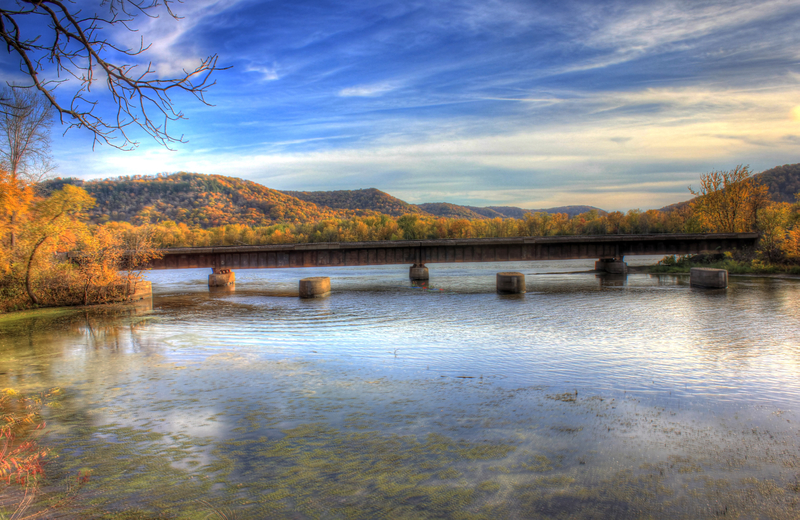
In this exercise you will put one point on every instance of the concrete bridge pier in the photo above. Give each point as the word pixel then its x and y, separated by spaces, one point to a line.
pixel 510 283
pixel 418 272
pixel 708 278
pixel 611 266
pixel 221 277
pixel 315 287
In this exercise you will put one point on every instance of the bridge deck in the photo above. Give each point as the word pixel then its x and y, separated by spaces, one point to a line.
pixel 454 250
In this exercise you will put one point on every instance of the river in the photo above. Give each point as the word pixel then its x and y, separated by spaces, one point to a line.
pixel 587 397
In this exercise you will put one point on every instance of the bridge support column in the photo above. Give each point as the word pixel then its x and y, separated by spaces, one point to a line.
pixel 221 277
pixel 315 287
pixel 510 283
pixel 418 272
pixel 611 265
pixel 708 278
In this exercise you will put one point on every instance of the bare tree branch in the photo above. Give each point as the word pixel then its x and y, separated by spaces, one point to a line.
pixel 78 50
pixel 25 122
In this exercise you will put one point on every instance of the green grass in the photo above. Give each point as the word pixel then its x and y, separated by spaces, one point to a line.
pixel 684 264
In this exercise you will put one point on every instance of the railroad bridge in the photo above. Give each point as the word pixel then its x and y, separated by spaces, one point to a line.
pixel 609 250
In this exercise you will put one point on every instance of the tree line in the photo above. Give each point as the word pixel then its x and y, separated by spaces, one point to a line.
pixel 726 202
pixel 36 229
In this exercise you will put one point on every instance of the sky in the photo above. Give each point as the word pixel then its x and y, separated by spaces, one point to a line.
pixel 614 104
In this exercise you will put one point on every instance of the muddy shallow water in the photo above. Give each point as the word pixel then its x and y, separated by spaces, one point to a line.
pixel 586 397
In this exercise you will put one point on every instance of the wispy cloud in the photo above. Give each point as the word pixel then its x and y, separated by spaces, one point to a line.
pixel 267 73
pixel 627 32
pixel 648 26
pixel 367 90
pixel 553 164
pixel 164 35
pixel 613 103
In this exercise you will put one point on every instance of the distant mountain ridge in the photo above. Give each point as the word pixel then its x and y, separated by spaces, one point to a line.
pixel 377 200
pixel 207 201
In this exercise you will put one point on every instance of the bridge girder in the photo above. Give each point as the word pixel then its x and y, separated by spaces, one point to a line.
pixel 453 250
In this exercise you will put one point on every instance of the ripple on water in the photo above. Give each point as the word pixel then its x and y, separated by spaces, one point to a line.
pixel 585 396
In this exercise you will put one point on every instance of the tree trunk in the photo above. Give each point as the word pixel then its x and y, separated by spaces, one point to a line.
pixel 28 282
pixel 13 237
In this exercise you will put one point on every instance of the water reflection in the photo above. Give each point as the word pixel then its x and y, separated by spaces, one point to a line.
pixel 612 280
pixel 586 396
pixel 222 290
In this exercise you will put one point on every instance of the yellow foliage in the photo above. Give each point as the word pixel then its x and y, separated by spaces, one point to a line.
pixel 728 201
pixel 791 246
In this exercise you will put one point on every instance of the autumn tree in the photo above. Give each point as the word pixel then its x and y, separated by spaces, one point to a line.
pixel 539 224
pixel 15 197
pixel 51 220
pixel 25 121
pixel 65 44
pixel 98 257
pixel 773 224
pixel 728 201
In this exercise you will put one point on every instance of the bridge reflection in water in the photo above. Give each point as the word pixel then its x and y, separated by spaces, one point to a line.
pixel 610 251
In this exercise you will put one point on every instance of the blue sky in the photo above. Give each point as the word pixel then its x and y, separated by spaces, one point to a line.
pixel 535 104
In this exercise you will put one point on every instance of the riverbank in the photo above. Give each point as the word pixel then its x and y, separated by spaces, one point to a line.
pixel 112 295
pixel 734 267
pixel 8 320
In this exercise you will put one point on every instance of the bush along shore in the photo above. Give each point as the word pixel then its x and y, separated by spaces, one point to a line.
pixel 36 232
pixel 741 262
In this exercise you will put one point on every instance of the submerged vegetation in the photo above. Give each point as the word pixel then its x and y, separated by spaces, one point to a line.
pixel 23 458
pixel 205 446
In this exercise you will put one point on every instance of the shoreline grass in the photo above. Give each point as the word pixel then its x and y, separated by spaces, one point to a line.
pixel 683 265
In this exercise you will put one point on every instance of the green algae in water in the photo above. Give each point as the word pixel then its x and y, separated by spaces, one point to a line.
pixel 325 471
pixel 166 435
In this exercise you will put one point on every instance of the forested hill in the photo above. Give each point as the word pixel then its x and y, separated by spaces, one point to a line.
pixel 371 199
pixel 195 199
pixel 783 182
pixel 205 201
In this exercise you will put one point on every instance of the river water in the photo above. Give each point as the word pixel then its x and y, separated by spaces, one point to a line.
pixel 587 397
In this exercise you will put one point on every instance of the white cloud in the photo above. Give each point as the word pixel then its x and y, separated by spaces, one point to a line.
pixel 373 90
pixel 163 32
pixel 267 73
pixel 598 152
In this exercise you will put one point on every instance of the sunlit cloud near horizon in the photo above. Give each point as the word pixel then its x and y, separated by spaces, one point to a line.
pixel 618 105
